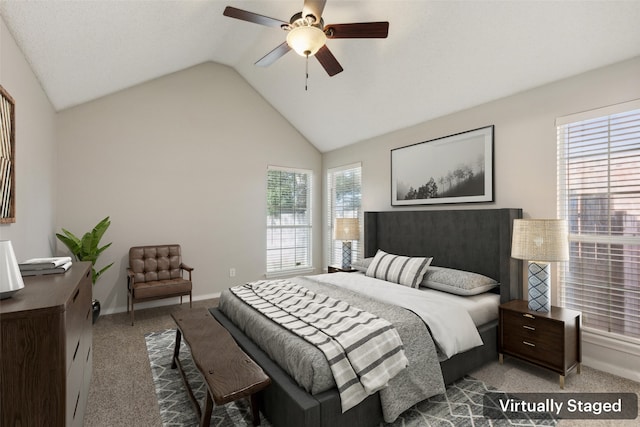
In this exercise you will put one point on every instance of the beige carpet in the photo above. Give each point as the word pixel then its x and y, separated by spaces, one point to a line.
pixel 122 391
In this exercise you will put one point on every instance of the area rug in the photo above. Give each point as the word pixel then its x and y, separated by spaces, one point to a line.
pixel 460 406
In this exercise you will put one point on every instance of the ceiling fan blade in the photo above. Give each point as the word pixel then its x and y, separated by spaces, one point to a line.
pixel 313 7
pixel 274 55
pixel 328 61
pixel 362 30
pixel 233 12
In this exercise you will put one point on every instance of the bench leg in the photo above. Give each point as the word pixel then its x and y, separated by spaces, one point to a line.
pixel 176 350
pixel 255 412
pixel 208 409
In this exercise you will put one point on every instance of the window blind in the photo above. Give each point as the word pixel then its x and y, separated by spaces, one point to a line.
pixel 344 201
pixel 289 234
pixel 599 196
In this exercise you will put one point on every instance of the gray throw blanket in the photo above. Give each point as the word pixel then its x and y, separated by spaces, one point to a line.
pixel 364 351
pixel 309 367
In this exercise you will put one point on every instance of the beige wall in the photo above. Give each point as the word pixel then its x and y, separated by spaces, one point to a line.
pixel 31 234
pixel 525 162
pixel 181 159
pixel 525 139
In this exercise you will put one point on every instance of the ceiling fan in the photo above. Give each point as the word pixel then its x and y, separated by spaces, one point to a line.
pixel 307 34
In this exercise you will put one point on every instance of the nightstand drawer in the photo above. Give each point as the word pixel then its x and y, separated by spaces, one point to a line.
pixel 543 352
pixel 545 332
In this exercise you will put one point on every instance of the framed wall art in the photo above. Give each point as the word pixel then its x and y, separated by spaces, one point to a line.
pixel 452 169
pixel 7 158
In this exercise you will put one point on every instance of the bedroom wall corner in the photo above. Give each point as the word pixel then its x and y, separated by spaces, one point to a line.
pixel 32 233
pixel 179 159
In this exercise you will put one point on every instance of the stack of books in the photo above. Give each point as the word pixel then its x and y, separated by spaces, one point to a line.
pixel 51 265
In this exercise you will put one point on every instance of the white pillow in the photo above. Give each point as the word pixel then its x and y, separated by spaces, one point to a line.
pixel 407 271
pixel 362 264
pixel 457 282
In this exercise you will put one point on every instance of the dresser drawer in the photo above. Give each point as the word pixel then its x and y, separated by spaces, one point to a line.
pixel 75 317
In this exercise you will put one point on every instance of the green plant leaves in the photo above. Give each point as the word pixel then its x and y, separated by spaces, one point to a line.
pixel 88 247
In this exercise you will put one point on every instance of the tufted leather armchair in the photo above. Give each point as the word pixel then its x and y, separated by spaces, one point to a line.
pixel 156 272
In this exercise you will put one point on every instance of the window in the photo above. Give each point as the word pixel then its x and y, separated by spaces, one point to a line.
pixel 344 201
pixel 288 220
pixel 599 196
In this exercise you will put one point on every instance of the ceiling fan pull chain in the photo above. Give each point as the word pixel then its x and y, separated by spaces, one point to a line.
pixel 306 72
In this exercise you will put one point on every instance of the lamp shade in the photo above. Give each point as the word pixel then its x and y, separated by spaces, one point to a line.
pixel 347 229
pixel 306 40
pixel 540 240
pixel 10 277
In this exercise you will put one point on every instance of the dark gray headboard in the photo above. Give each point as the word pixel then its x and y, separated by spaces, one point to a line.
pixel 471 240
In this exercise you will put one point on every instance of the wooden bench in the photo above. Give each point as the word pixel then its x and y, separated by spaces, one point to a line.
pixel 228 372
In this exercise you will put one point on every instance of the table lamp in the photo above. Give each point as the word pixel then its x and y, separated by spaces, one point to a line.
pixel 347 230
pixel 10 277
pixel 540 241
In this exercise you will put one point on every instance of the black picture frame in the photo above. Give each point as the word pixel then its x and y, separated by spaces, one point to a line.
pixel 453 169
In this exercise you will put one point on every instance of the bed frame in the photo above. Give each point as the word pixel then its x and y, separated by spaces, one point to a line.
pixel 472 240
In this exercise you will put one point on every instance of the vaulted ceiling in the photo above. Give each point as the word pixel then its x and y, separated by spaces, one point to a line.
pixel 440 56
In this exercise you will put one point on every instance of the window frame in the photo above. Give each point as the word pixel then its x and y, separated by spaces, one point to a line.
pixel 357 247
pixel 284 269
pixel 575 198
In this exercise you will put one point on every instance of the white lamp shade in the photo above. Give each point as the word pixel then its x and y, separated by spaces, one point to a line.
pixel 306 40
pixel 347 229
pixel 540 240
pixel 10 277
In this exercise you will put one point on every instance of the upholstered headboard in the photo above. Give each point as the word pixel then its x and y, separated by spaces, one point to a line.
pixel 471 240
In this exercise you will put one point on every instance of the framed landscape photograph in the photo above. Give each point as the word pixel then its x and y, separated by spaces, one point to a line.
pixel 452 169
pixel 7 158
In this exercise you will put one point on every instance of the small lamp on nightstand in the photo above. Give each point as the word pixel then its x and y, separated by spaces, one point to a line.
pixel 540 241
pixel 10 277
pixel 347 230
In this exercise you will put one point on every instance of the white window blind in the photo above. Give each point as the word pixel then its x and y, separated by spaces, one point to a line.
pixel 599 195
pixel 344 201
pixel 289 234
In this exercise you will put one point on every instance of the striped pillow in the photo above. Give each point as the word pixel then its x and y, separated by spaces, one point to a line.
pixel 407 271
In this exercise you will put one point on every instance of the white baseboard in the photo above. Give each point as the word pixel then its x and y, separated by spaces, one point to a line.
pixel 615 356
pixel 160 303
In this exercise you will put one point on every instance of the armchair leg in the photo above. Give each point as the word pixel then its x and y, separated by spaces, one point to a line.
pixel 132 317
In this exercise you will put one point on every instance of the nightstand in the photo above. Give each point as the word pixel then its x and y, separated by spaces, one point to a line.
pixel 551 340
pixel 337 268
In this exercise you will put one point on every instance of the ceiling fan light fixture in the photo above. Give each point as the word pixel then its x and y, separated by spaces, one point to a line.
pixel 306 40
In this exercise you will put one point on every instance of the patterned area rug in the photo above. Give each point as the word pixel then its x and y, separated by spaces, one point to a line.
pixel 461 405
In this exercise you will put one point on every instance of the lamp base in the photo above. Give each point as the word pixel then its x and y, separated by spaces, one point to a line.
pixel 346 255
pixel 539 286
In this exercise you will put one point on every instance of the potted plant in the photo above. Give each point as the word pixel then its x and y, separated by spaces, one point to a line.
pixel 88 248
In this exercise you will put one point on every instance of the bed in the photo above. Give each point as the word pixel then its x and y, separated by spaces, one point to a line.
pixel 470 240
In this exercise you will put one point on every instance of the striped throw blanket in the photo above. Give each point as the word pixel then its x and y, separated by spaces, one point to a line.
pixel 364 351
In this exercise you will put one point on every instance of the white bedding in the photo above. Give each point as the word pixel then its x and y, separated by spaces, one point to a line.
pixel 482 308
pixel 451 325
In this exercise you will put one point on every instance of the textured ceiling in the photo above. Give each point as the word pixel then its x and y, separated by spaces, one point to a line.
pixel 440 56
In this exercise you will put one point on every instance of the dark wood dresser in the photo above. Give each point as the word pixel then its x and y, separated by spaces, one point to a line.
pixel 551 340
pixel 46 350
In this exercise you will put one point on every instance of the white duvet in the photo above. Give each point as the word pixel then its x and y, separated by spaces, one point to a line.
pixel 450 324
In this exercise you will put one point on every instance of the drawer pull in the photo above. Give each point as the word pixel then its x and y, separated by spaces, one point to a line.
pixel 75 410
pixel 531 328
pixel 530 344
pixel 530 316
pixel 75 353
pixel 75 296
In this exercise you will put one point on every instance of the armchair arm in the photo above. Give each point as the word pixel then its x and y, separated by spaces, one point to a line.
pixel 130 277
pixel 187 268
